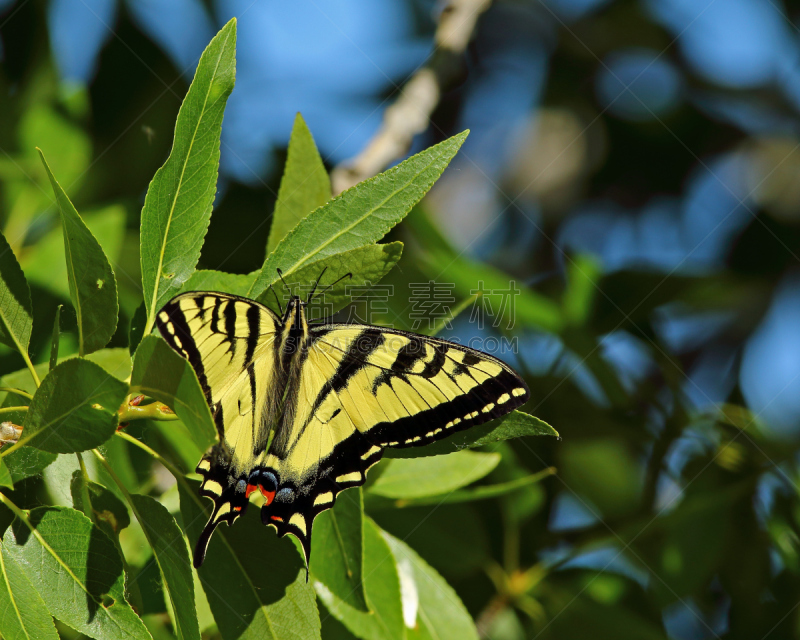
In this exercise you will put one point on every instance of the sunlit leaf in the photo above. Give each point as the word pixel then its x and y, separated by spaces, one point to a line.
pixel 304 187
pixel 463 495
pixel 76 570
pixel 162 374
pixel 359 216
pixel 420 477
pixel 178 204
pixel 45 264
pixel 431 608
pixel 337 549
pixel 23 614
pixel 208 280
pixel 5 476
pixel 74 409
pixel 368 265
pixel 382 585
pixel 92 284
pixel 16 312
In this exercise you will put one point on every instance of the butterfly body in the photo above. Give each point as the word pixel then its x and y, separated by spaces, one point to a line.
pixel 303 410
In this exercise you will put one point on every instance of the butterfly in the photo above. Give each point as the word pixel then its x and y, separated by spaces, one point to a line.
pixel 303 409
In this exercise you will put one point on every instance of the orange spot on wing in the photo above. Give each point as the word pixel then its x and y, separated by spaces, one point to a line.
pixel 237 508
pixel 268 495
pixel 249 490
pixel 279 519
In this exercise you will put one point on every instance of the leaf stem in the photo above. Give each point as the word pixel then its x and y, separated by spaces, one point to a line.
pixel 115 478
pixel 153 411
pixel 12 409
pixel 172 468
pixel 17 511
pixel 30 366
pixel 18 392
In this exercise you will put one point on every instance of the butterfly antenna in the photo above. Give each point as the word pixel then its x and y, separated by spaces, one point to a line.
pixel 311 295
pixel 332 284
pixel 280 308
pixel 280 275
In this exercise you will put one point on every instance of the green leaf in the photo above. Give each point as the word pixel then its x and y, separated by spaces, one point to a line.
pixel 463 495
pixel 382 585
pixel 16 311
pixel 208 280
pixel 255 583
pixel 431 608
pixel 305 184
pixel 169 547
pixel 116 361
pixel 136 330
pixel 5 476
pixel 178 204
pixel 514 425
pixel 99 504
pixel 444 264
pixel 162 374
pixel 337 548
pixel 92 285
pixel 74 409
pixel 56 338
pixel 583 272
pixel 45 264
pixel 23 614
pixel 421 477
pixel 27 462
pixel 453 537
pixel 368 265
pixel 359 216
pixel 77 571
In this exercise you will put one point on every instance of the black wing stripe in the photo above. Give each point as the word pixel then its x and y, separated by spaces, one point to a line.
pixel 187 346
pixel 253 331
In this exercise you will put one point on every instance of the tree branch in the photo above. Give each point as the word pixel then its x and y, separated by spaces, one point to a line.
pixel 410 114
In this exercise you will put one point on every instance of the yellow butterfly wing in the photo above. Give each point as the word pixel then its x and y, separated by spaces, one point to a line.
pixel 364 388
pixel 230 343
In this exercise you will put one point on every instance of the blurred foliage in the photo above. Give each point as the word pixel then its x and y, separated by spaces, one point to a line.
pixel 632 167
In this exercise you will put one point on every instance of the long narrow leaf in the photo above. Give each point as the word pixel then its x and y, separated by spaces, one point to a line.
pixel 359 216
pixel 367 265
pixel 385 619
pixel 172 556
pixel 305 184
pixel 92 285
pixel 338 549
pixel 16 310
pixel 178 204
